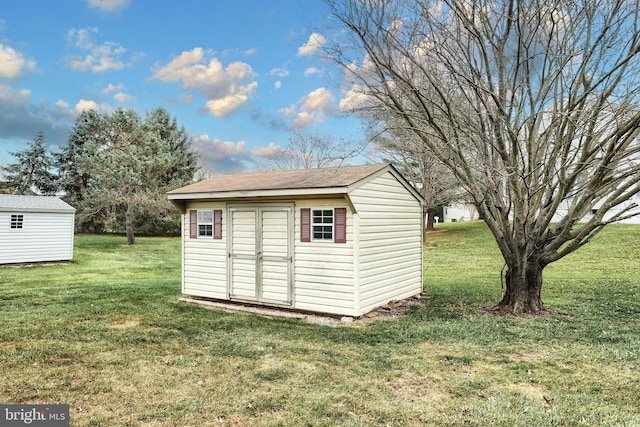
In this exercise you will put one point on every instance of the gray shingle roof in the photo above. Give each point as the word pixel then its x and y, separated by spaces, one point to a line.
pixel 342 176
pixel 15 203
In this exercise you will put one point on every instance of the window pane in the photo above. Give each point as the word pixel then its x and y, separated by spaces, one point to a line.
pixel 205 230
pixel 205 216
pixel 16 221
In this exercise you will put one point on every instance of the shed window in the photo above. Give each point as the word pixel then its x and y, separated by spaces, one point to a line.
pixel 205 223
pixel 17 221
pixel 322 224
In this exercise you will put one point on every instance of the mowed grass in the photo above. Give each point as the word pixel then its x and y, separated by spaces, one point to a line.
pixel 107 335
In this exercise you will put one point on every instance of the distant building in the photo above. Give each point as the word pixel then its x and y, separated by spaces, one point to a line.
pixel 35 229
pixel 458 212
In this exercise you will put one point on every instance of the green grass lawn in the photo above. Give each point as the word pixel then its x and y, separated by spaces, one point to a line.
pixel 107 335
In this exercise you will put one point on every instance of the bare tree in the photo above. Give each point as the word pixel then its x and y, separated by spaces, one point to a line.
pixel 308 150
pixel 531 104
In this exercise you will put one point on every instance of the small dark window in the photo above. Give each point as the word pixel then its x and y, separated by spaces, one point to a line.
pixel 16 221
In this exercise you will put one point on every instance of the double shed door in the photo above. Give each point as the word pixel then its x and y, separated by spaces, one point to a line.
pixel 260 261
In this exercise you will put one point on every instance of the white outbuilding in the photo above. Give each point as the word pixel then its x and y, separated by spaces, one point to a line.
pixel 340 241
pixel 35 229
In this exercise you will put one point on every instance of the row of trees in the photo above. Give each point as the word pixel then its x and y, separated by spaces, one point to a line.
pixel 115 169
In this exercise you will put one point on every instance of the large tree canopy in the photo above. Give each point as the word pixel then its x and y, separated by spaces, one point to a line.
pixel 133 163
pixel 115 169
pixel 533 105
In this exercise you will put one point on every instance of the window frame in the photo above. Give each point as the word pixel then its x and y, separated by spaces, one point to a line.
pixel 323 224
pixel 196 220
pixel 16 222
pixel 204 233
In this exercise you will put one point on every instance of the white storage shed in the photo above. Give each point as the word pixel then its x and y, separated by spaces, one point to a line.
pixel 35 229
pixel 341 241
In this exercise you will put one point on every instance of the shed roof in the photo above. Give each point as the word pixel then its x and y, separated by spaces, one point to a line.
pixel 301 182
pixel 279 180
pixel 19 203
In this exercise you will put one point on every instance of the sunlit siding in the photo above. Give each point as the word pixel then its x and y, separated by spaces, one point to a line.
pixel 204 260
pixel 324 271
pixel 390 242
pixel 44 236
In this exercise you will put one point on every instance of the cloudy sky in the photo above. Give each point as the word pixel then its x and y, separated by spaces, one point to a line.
pixel 240 75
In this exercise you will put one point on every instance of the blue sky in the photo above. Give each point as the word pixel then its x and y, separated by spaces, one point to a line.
pixel 240 75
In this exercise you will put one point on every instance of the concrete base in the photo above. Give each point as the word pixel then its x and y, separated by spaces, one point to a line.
pixel 268 312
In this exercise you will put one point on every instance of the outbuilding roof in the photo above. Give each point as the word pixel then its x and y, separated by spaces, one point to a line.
pixel 301 182
pixel 19 203
pixel 287 179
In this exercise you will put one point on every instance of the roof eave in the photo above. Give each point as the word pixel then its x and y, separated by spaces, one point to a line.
pixel 37 210
pixel 179 199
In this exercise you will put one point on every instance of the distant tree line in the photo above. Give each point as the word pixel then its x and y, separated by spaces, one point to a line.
pixel 115 169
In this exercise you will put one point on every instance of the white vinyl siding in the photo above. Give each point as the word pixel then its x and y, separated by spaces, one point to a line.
pixel 390 242
pixel 275 261
pixel 204 261
pixel 38 237
pixel 324 273
pixel 380 261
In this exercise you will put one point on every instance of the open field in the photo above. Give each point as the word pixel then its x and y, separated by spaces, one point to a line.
pixel 107 335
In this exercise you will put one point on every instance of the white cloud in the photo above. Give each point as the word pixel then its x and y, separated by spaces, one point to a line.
pixel 310 109
pixel 226 89
pixel 353 99
pixel 313 45
pixel 13 64
pixel 269 151
pixel 222 106
pixel 112 88
pixel 97 58
pixel 86 105
pixel 313 70
pixel 14 97
pixel 62 104
pixel 122 97
pixel 304 119
pixel 108 5
pixel 251 51
pixel 279 72
pixel 277 84
pixel 318 101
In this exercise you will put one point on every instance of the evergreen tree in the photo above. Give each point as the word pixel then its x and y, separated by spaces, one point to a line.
pixel 118 167
pixel 32 173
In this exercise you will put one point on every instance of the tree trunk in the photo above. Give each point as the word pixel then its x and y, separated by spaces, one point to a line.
pixel 522 292
pixel 131 238
pixel 429 215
